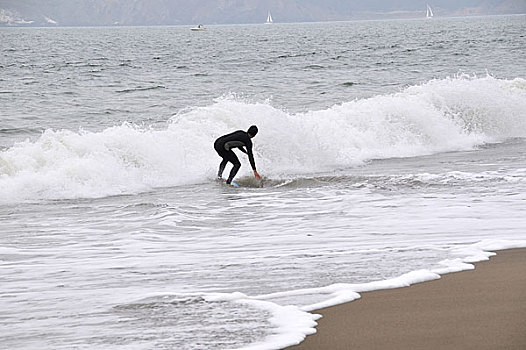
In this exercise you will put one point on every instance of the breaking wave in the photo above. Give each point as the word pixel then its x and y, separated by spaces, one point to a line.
pixel 441 115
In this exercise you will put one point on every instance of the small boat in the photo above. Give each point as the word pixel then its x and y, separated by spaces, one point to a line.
pixel 429 12
pixel 198 28
pixel 269 19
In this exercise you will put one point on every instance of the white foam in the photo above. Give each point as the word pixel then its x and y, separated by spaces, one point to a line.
pixel 301 325
pixel 442 115
pixel 9 250
pixel 290 324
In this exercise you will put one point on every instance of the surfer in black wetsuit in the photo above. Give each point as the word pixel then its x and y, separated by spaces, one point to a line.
pixel 237 139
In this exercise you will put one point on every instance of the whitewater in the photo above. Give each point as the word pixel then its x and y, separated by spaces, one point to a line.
pixel 439 116
pixel 386 161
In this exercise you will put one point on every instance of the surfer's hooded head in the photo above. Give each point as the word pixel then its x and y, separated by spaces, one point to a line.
pixel 252 131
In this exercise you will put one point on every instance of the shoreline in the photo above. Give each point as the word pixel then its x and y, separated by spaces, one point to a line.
pixel 484 308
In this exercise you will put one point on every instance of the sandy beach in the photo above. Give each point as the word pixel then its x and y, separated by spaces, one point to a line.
pixel 478 309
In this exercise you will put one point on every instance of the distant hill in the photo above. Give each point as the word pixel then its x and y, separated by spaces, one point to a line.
pixel 171 12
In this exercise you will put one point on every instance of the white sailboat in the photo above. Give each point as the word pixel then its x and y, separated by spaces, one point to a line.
pixel 269 19
pixel 429 12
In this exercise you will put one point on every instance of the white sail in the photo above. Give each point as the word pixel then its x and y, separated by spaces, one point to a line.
pixel 429 13
pixel 269 18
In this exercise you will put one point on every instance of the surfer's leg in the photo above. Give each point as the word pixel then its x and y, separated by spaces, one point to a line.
pixel 233 172
pixel 232 158
pixel 222 167
pixel 220 149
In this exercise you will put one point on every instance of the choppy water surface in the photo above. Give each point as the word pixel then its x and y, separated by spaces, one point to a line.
pixel 386 148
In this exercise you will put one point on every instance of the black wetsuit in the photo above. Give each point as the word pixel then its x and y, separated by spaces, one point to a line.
pixel 224 145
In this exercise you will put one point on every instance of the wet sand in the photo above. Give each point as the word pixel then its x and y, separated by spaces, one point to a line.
pixel 478 309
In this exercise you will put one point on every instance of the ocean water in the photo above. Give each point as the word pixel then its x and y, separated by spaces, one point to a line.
pixel 391 152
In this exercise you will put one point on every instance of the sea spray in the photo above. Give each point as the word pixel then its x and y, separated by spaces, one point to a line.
pixel 442 115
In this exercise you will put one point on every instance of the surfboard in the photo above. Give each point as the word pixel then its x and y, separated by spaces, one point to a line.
pixel 233 184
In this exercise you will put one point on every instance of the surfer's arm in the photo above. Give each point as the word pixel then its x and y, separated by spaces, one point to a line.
pixel 243 150
pixel 252 163
pixel 251 158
